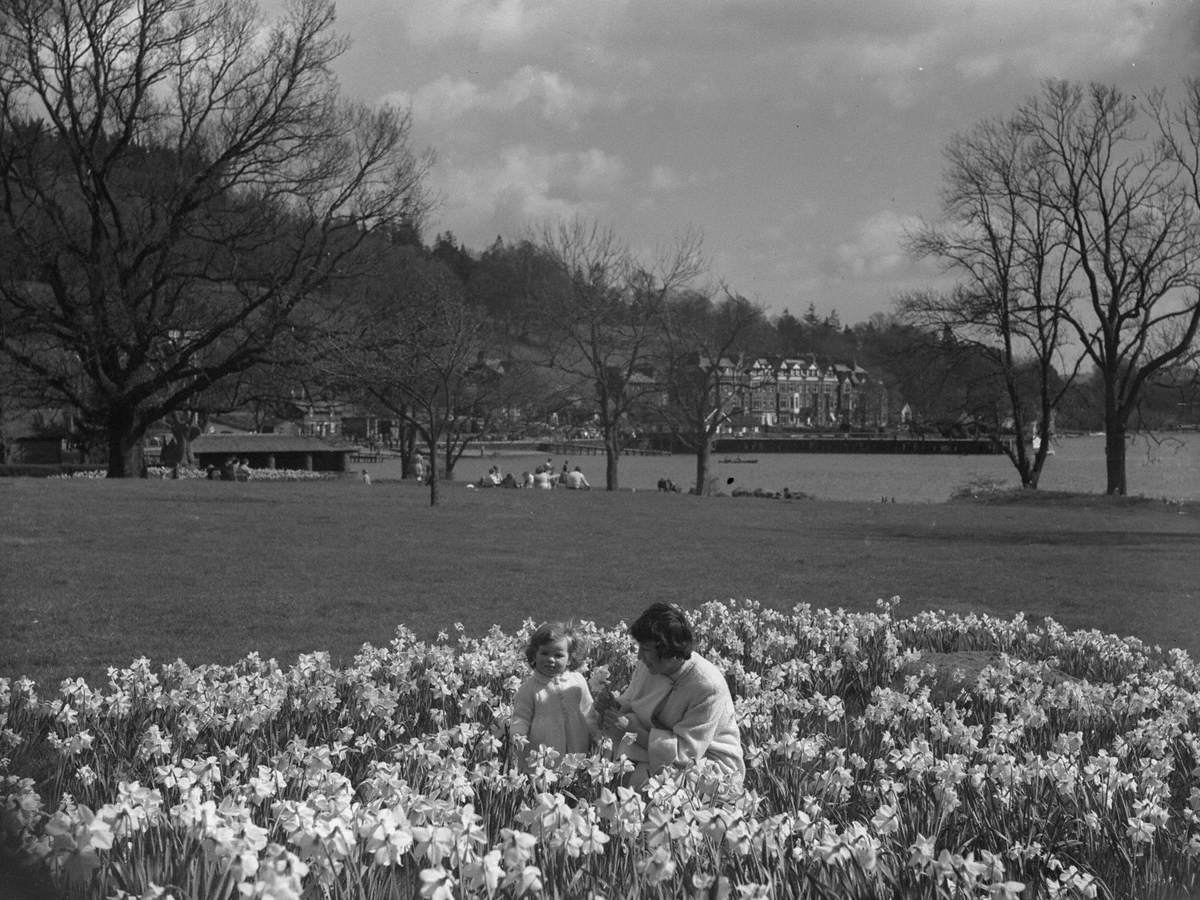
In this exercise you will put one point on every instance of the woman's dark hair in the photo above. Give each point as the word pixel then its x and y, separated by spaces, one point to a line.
pixel 664 625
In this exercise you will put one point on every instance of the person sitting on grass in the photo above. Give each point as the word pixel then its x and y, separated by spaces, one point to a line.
pixel 677 708
pixel 575 481
pixel 553 707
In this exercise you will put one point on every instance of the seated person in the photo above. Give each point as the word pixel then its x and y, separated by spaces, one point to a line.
pixel 677 708
pixel 575 481
pixel 543 480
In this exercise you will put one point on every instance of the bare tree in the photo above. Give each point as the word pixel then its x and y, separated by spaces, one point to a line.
pixel 413 348
pixel 999 235
pixel 1128 202
pixel 1179 126
pixel 706 356
pixel 176 180
pixel 603 310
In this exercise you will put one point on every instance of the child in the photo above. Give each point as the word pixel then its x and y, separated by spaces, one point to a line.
pixel 553 707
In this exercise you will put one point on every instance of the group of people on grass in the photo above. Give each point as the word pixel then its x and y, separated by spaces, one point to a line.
pixel 232 469
pixel 543 477
pixel 676 709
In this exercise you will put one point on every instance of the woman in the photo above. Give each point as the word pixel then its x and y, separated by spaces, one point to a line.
pixel 677 707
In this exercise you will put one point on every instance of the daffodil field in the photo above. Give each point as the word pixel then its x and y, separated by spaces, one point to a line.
pixel 1066 769
pixel 194 474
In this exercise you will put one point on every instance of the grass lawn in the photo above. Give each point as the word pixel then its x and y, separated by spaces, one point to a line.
pixel 97 573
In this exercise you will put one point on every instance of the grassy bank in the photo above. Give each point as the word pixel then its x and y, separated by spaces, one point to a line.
pixel 98 573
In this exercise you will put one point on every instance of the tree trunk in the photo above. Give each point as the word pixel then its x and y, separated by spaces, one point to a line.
pixel 184 433
pixel 1114 456
pixel 1034 469
pixel 124 447
pixel 431 475
pixel 703 458
pixel 408 449
pixel 612 456
pixel 1018 455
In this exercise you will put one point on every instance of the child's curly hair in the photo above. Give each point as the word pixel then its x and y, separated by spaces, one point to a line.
pixel 556 631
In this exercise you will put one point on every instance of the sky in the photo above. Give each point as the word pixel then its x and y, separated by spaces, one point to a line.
pixel 801 138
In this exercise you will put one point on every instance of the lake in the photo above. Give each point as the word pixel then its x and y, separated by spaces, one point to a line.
pixel 1169 468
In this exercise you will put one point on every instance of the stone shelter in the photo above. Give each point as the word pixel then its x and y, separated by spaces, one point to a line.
pixel 272 451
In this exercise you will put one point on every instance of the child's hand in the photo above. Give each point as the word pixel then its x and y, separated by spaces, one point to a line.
pixel 598 681
pixel 603 701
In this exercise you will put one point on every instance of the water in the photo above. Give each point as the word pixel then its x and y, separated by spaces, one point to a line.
pixel 1169 469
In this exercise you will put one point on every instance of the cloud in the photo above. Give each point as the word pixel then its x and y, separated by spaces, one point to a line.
pixel 488 22
pixel 664 179
pixel 733 114
pixel 498 25
pixel 875 250
pixel 524 186
pixel 549 95
pixel 902 51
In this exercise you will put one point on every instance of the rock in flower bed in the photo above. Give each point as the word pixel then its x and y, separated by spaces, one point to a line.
pixel 1064 765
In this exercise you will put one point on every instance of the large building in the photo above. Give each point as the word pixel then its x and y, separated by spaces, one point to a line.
pixel 807 393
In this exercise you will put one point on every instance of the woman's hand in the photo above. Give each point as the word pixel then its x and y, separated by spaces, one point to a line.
pixel 618 724
pixel 614 721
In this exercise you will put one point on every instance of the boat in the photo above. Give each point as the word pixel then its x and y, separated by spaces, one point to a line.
pixel 737 459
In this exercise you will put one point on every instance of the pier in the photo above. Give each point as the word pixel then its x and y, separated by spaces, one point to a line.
pixel 591 448
pixel 853 443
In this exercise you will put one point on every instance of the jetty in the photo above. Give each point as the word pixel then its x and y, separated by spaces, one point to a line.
pixel 859 443
pixel 592 448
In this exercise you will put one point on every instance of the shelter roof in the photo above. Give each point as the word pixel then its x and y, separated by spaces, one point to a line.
pixel 265 443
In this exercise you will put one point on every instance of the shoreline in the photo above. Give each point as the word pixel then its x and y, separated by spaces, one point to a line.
pixel 1168 471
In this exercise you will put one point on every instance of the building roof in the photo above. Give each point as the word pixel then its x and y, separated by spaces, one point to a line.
pixel 265 443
